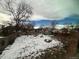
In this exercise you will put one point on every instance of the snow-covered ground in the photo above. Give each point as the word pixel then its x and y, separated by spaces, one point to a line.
pixel 29 46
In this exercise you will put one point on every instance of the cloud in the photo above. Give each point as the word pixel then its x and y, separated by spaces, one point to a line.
pixel 55 8
pixel 4 18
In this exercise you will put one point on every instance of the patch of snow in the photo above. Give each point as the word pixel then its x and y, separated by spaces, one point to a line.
pixel 2 37
pixel 29 46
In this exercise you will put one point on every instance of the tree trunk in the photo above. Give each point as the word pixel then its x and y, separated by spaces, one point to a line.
pixel 17 25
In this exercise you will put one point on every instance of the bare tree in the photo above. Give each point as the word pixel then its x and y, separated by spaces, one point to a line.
pixel 18 11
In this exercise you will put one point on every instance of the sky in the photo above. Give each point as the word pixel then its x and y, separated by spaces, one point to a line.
pixel 53 9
